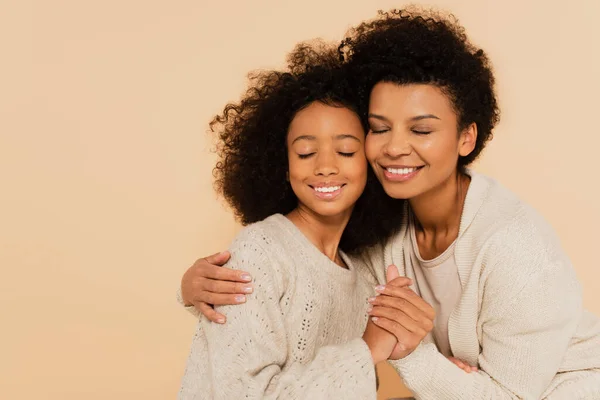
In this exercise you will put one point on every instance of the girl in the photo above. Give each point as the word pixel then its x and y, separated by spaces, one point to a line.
pixel 293 168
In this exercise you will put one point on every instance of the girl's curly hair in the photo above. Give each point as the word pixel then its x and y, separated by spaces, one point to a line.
pixel 251 172
pixel 417 45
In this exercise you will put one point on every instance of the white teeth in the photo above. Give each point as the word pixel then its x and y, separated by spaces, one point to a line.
pixel 327 189
pixel 401 171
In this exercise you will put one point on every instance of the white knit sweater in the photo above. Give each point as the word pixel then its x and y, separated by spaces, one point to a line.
pixel 298 336
pixel 520 317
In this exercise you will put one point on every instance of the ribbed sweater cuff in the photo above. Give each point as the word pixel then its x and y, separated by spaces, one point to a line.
pixel 363 364
pixel 421 371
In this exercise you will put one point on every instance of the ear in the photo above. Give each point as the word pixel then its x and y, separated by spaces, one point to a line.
pixel 467 140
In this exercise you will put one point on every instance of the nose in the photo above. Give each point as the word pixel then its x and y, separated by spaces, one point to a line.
pixel 398 145
pixel 326 164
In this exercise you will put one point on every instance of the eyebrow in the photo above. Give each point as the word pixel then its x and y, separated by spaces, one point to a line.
pixel 338 137
pixel 377 116
pixel 417 118
pixel 426 116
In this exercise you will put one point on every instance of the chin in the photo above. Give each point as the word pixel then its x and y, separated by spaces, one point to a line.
pixel 330 210
pixel 399 193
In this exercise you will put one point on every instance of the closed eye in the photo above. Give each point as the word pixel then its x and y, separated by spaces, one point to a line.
pixel 346 154
pixel 421 132
pixel 378 131
pixel 305 156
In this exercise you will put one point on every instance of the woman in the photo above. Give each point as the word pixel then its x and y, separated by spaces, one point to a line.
pixel 293 168
pixel 506 296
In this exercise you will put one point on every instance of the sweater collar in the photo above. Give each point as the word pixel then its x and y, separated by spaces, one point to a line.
pixel 475 198
pixel 476 195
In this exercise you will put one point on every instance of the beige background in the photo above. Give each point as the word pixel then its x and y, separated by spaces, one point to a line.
pixel 105 173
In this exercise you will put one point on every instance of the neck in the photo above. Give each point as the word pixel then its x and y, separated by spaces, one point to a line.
pixel 324 232
pixel 439 210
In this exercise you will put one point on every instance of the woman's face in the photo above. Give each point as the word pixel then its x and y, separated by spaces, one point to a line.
pixel 327 164
pixel 413 142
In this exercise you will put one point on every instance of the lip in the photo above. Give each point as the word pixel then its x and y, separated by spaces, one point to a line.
pixel 398 166
pixel 326 184
pixel 329 196
pixel 400 177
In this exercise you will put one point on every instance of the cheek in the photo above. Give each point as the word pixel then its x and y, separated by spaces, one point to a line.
pixel 441 150
pixel 296 177
pixel 296 171
pixel 361 170
pixel 357 169
pixel 372 147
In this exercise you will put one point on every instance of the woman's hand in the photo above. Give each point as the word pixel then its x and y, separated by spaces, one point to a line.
pixel 462 365
pixel 400 311
pixel 207 283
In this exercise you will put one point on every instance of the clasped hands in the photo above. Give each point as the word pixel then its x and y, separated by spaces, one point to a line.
pixel 399 319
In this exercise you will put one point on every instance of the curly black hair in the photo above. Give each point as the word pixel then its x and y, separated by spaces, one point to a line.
pixel 416 45
pixel 253 161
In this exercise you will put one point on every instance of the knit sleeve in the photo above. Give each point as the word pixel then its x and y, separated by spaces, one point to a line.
pixel 530 309
pixel 248 356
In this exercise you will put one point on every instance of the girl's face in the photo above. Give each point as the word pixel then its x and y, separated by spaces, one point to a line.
pixel 413 142
pixel 327 164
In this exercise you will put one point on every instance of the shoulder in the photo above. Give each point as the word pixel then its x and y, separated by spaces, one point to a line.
pixel 490 204
pixel 274 238
pixel 511 226
pixel 504 224
pixel 265 234
pixel 514 244
pixel 263 250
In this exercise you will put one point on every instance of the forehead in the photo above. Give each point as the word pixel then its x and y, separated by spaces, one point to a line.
pixel 394 99
pixel 320 119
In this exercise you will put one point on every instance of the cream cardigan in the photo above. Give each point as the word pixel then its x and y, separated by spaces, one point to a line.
pixel 520 317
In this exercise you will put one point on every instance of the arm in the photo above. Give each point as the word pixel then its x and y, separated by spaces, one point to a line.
pixel 526 327
pixel 247 355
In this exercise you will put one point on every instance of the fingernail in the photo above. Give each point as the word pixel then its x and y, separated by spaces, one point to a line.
pixel 247 289
pixel 221 320
pixel 374 319
pixel 380 288
pixel 246 277
pixel 240 298
pixel 369 309
pixel 371 299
